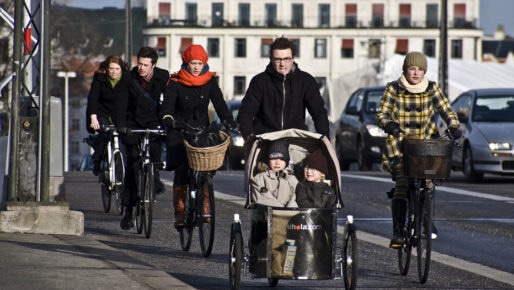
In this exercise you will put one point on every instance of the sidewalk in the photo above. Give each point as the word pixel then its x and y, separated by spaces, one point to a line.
pixel 37 261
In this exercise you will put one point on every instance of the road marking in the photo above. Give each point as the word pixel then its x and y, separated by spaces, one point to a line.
pixel 475 268
pixel 441 188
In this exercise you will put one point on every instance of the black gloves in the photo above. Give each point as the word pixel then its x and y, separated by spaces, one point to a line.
pixel 231 125
pixel 178 124
pixel 167 122
pixel 392 128
pixel 455 133
pixel 124 130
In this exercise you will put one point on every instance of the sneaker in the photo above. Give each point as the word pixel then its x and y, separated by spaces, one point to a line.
pixel 396 242
pixel 433 235
pixel 127 222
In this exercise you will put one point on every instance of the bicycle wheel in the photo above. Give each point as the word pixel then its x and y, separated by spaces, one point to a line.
pixel 235 263
pixel 405 252
pixel 139 214
pixel 106 198
pixel 424 230
pixel 149 197
pixel 206 225
pixel 186 232
pixel 350 260
pixel 119 175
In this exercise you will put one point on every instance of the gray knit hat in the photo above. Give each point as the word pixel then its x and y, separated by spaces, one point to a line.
pixel 279 149
pixel 415 58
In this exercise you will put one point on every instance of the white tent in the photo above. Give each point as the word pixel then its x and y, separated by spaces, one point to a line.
pixel 463 75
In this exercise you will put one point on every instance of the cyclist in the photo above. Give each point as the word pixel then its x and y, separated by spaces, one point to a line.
pixel 408 105
pixel 109 86
pixel 142 111
pixel 186 100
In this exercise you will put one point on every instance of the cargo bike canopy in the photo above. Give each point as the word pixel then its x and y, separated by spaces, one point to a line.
pixel 301 144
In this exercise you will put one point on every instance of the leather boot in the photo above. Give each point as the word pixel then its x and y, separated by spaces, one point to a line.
pixel 179 196
pixel 206 206
pixel 399 212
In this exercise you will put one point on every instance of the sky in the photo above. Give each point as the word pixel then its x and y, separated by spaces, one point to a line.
pixel 492 12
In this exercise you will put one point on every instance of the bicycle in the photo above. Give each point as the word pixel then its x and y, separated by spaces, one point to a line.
pixel 203 163
pixel 145 181
pixel 423 159
pixel 112 169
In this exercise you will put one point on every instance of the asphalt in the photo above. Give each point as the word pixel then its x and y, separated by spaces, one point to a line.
pixel 48 261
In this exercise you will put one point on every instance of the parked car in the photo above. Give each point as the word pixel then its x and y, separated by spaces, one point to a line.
pixel 487 122
pixel 357 137
pixel 235 153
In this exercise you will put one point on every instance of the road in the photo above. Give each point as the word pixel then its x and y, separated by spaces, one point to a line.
pixel 475 248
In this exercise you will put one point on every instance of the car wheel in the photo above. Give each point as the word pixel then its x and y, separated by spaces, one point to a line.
pixel 362 160
pixel 343 164
pixel 467 166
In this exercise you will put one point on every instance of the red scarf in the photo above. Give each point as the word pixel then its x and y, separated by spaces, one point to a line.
pixel 184 77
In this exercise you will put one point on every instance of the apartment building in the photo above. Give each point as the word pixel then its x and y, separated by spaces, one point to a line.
pixel 333 37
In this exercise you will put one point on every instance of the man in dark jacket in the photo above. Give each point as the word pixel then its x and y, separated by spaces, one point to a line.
pixel 142 111
pixel 277 98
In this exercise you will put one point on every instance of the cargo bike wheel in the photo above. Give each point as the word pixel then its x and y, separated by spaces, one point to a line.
pixel 349 255
pixel 235 261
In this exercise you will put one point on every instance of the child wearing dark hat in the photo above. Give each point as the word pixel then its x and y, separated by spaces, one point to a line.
pixel 275 186
pixel 313 191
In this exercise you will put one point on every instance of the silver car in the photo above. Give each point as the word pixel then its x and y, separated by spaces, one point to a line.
pixel 487 124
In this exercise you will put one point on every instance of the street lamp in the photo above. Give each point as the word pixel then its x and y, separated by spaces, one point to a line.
pixel 66 75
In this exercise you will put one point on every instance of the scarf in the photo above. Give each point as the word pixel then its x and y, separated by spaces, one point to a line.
pixel 114 82
pixel 415 89
pixel 184 77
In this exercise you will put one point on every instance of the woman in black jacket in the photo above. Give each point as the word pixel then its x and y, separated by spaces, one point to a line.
pixel 109 87
pixel 186 100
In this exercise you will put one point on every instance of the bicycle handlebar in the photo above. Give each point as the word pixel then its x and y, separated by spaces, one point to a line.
pixel 158 131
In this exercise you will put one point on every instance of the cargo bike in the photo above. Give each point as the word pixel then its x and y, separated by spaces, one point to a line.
pixel 293 243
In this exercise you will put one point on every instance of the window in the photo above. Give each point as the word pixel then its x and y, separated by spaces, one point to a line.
pixel 459 15
pixel 297 20
pixel 75 147
pixel 270 14
pixel 377 19
pixel 240 47
pixel 296 43
pixel 350 15
pixel 244 14
pixel 239 85
pixel 402 46
pixel 374 50
pixel 217 15
pixel 429 47
pixel 75 125
pixel 164 13
pixel 404 15
pixel 265 46
pixel 324 15
pixel 213 47
pixel 320 48
pixel 432 15
pixel 191 14
pixel 161 46
pixel 347 48
pixel 185 42
pixel 456 48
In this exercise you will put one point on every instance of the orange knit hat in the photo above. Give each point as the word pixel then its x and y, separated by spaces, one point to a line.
pixel 195 51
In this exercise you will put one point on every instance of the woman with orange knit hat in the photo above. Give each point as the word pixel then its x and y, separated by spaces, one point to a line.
pixel 186 100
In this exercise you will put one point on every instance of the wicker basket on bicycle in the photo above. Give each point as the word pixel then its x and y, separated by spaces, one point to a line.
pixel 427 158
pixel 207 158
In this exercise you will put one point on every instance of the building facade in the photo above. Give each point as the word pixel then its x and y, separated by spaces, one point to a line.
pixel 333 37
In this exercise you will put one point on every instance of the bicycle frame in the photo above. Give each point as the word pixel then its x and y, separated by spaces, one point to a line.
pixel 113 148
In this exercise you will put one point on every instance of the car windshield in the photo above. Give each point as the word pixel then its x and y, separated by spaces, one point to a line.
pixel 494 109
pixel 373 101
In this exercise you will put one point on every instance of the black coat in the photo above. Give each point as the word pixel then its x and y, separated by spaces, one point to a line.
pixel 190 104
pixel 315 194
pixel 266 108
pixel 103 100
pixel 141 111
